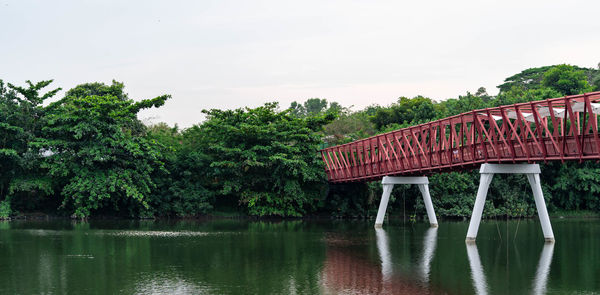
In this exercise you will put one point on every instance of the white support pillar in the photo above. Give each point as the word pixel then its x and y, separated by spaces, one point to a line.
pixel 424 188
pixel 484 184
pixel 385 197
pixel 487 172
pixel 538 195
pixel 388 184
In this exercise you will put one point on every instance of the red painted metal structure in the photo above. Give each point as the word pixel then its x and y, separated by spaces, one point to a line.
pixel 556 129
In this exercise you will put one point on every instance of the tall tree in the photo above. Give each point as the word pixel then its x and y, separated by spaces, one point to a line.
pixel 566 80
pixel 99 154
pixel 21 119
pixel 418 109
pixel 182 187
pixel 314 107
pixel 265 158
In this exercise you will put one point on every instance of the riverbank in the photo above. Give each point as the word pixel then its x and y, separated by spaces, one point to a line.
pixel 237 215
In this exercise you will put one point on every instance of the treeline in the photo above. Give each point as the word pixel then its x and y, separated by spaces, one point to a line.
pixel 87 154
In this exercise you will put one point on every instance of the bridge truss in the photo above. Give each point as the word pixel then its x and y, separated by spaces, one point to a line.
pixel 557 129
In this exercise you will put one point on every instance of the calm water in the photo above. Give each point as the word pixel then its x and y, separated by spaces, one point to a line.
pixel 296 257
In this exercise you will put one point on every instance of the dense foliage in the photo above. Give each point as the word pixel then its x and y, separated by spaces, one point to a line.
pixel 23 181
pixel 88 154
pixel 265 159
pixel 97 153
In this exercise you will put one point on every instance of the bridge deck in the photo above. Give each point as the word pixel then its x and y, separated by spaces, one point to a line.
pixel 557 129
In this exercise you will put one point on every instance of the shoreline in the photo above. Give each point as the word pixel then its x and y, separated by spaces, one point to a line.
pixel 43 216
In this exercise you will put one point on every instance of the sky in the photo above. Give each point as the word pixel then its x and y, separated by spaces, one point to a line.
pixel 231 54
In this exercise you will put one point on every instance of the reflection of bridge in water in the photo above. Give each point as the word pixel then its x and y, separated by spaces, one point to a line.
pixel 346 273
pixel 540 281
pixel 497 139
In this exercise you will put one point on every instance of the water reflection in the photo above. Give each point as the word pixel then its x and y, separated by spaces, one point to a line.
pixel 476 269
pixel 541 276
pixel 308 257
pixel 167 284
pixel 346 271
pixel 540 280
pixel 384 253
pixel 429 243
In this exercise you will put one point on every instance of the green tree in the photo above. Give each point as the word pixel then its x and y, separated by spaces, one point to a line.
pixel 462 104
pixel 596 80
pixel 96 157
pixel 22 182
pixel 314 107
pixel 98 89
pixel 349 127
pixel 482 93
pixel 518 95
pixel 265 158
pixel 181 188
pixel 566 80
pixel 527 79
pixel 406 111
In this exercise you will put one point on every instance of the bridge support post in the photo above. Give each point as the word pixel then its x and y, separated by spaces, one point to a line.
pixel 388 184
pixel 487 172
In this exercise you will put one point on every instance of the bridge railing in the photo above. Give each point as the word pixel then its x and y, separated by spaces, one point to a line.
pixel 562 129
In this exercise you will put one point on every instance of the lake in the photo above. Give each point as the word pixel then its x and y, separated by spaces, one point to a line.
pixel 297 257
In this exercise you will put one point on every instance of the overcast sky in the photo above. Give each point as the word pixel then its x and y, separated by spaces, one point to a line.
pixel 229 54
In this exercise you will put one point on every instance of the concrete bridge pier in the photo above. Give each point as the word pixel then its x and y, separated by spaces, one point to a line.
pixel 388 184
pixel 487 172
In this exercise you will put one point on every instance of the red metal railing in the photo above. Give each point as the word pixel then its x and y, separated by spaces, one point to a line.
pixel 557 129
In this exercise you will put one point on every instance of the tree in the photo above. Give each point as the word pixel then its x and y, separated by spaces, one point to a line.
pixel 518 95
pixel 181 188
pixel 527 79
pixel 533 78
pixel 98 89
pixel 482 93
pixel 349 127
pixel 96 155
pixel 596 80
pixel 314 107
pixel 406 111
pixel 265 159
pixel 22 181
pixel 566 80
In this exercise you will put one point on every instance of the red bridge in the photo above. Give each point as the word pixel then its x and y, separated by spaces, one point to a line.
pixel 505 139
pixel 557 129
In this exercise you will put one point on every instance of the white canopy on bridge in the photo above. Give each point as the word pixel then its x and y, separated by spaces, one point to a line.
pixel 578 107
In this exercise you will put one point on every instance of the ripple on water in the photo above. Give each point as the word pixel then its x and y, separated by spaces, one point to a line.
pixel 128 233
pixel 166 234
pixel 159 284
pixel 83 256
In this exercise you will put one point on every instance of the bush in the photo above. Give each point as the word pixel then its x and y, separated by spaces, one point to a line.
pixel 5 210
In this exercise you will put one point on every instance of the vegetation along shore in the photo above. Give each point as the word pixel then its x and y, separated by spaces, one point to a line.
pixel 87 154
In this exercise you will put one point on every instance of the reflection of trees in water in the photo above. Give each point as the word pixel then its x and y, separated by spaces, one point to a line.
pixel 348 272
pixel 224 257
